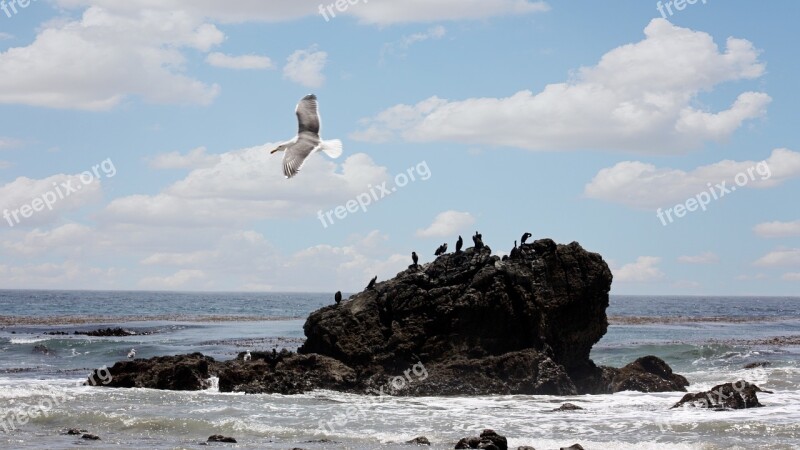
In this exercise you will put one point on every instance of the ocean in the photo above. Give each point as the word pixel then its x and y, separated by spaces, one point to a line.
pixel 706 339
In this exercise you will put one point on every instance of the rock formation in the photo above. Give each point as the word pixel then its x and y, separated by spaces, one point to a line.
pixel 467 323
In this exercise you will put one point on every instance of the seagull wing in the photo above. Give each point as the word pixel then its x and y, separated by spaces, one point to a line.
pixel 296 154
pixel 308 115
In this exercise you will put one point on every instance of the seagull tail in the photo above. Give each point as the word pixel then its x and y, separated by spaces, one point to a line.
pixel 332 148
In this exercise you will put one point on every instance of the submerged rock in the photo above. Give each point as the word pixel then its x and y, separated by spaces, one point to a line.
pixel 221 438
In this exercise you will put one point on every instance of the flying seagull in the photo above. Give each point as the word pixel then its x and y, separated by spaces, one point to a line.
pixel 307 140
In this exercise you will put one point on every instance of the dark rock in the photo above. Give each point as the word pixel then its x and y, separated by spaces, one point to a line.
pixel 421 440
pixel 498 441
pixel 108 332
pixel 91 437
pixel 464 324
pixel 176 373
pixel 756 365
pixel 739 395
pixel 573 447
pixel 568 407
pixel 42 349
pixel 75 432
pixel 488 440
pixel 525 447
pixel 221 438
pixel 646 374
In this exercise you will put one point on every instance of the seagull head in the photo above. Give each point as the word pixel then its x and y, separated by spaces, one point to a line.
pixel 277 149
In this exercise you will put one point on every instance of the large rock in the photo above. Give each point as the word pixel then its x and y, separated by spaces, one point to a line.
pixel 468 323
pixel 472 305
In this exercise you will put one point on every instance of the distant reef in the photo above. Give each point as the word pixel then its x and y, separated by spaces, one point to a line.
pixel 468 323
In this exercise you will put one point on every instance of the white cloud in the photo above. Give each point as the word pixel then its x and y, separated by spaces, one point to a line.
pixel 780 258
pixel 96 62
pixel 791 276
pixel 68 238
pixel 380 13
pixel 644 270
pixel 65 192
pixel 6 36
pixel 305 67
pixel 181 279
pixel 400 47
pixel 447 224
pixel 248 185
pixel 246 260
pixel 752 277
pixel 194 159
pixel 778 229
pixel 644 186
pixel 704 258
pixel 640 97
pixel 239 62
pixel 67 275
pixel 9 143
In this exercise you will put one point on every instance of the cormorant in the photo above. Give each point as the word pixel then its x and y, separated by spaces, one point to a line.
pixel 371 284
pixel 525 237
pixel 459 244
pixel 441 250
pixel 478 240
pixel 338 297
pixel 415 258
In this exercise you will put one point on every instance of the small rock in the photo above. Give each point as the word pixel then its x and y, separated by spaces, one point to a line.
pixel 489 436
pixel 568 407
pixel 756 365
pixel 421 440
pixel 221 438
pixel 91 437
pixel 573 447
pixel 525 447
pixel 75 432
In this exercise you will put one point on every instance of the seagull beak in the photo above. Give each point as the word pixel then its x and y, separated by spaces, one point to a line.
pixel 274 151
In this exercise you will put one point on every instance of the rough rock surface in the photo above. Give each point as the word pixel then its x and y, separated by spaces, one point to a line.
pixel 175 373
pixel 468 323
pixel 738 395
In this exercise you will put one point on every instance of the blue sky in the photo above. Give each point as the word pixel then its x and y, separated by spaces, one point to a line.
pixel 571 122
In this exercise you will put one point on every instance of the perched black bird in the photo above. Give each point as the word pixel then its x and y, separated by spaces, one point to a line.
pixel 338 297
pixel 459 244
pixel 525 237
pixel 441 250
pixel 478 240
pixel 371 284
pixel 415 258
pixel 514 251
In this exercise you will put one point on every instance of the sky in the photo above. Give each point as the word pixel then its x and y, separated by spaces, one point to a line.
pixel 135 140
